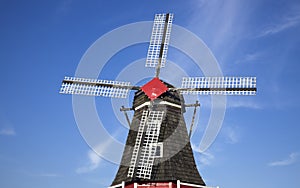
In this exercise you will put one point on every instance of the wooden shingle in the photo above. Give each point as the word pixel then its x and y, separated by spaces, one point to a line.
pixel 178 161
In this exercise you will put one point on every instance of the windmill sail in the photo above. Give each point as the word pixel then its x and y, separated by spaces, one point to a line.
pixel 144 168
pixel 145 144
pixel 158 48
pixel 94 87
pixel 218 85
pixel 137 145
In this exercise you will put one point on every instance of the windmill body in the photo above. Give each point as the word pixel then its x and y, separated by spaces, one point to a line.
pixel 158 151
pixel 171 153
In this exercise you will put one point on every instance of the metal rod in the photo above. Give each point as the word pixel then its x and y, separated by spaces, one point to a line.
pixel 125 109
pixel 193 118
pixel 125 113
pixel 162 46
pixel 192 105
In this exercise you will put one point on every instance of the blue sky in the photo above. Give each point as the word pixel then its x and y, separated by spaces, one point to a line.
pixel 42 41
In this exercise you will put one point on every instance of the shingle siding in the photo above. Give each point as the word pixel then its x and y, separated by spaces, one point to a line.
pixel 178 161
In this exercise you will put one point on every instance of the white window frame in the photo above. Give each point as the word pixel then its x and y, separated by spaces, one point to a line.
pixel 161 145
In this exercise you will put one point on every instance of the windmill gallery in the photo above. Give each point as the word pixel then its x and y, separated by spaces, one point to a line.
pixel 158 151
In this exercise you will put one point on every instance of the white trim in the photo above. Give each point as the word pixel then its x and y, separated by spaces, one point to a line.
pixel 170 104
pixel 162 102
pixel 178 183
pixel 142 105
pixel 122 185
pixel 158 144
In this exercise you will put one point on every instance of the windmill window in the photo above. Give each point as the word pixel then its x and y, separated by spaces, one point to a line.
pixel 157 150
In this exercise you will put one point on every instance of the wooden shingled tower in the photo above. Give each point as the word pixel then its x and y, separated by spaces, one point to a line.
pixel 168 157
pixel 158 151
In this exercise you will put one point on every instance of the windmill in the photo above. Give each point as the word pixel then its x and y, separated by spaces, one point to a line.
pixel 158 152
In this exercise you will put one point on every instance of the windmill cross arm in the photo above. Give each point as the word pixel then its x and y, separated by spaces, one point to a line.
pixel 122 109
pixel 94 87
pixel 218 85
pixel 197 104
pixel 103 85
pixel 213 89
pixel 217 91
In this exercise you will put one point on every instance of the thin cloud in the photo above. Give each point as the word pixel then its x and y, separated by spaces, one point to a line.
pixel 286 22
pixel 64 6
pixel 251 57
pixel 292 158
pixel 8 132
pixel 40 174
pixel 243 104
pixel 93 164
pixel 221 25
pixel 53 175
pixel 231 135
pixel 205 158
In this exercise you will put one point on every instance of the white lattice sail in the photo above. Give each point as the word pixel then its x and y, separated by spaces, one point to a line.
pixel 144 150
pixel 159 41
pixel 94 87
pixel 137 144
pixel 218 85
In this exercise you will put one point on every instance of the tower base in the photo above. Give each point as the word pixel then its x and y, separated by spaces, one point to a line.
pixel 176 184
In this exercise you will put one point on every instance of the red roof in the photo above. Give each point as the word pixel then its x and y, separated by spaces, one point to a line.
pixel 154 88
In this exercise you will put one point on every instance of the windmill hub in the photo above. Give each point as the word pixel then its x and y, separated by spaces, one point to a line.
pixel 154 88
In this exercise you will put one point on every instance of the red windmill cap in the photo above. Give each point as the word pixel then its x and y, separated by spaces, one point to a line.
pixel 154 88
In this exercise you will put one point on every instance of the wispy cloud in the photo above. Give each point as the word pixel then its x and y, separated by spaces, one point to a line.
pixel 243 104
pixel 93 163
pixel 6 127
pixel 40 174
pixel 53 175
pixel 231 134
pixel 291 159
pixel 220 25
pixel 8 132
pixel 205 158
pixel 288 21
pixel 64 6
pixel 251 57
